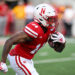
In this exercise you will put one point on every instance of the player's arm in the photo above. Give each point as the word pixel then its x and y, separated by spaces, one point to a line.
pixel 15 39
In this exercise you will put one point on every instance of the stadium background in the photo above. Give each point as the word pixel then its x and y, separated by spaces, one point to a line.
pixel 47 61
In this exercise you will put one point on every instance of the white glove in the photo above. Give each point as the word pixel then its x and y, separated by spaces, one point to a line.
pixel 58 37
pixel 3 67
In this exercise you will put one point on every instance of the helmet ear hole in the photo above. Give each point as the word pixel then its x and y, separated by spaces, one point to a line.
pixel 40 19
pixel 37 8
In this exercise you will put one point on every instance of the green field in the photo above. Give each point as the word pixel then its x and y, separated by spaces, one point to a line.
pixel 49 62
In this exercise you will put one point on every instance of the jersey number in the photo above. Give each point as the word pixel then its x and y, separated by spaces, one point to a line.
pixel 35 50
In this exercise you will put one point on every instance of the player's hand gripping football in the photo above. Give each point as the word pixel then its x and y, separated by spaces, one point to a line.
pixel 57 41
pixel 58 37
pixel 3 67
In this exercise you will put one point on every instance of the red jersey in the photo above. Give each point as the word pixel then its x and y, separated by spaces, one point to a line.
pixel 29 48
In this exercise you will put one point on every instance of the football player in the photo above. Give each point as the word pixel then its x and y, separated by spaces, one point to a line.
pixel 30 40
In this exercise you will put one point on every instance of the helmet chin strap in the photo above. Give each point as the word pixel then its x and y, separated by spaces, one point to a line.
pixel 43 27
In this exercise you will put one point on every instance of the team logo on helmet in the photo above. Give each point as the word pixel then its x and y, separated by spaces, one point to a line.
pixel 43 11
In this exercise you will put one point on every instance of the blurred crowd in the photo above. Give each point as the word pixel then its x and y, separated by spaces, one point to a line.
pixel 15 14
pixel 66 16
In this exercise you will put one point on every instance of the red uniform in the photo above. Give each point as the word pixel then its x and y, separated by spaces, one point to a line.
pixel 29 48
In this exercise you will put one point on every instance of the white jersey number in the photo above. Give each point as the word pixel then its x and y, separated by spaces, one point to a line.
pixel 35 50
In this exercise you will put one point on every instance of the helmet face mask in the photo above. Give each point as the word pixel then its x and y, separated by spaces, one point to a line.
pixel 45 14
pixel 52 20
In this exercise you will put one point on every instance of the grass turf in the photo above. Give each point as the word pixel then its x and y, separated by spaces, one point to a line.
pixel 54 68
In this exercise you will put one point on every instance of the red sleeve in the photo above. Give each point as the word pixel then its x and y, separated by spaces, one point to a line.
pixel 31 31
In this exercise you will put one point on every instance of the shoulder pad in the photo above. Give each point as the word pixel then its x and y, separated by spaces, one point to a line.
pixel 32 30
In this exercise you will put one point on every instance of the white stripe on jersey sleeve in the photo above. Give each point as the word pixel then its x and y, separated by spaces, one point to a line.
pixel 30 33
pixel 30 30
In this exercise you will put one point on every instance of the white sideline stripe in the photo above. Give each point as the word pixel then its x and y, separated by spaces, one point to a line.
pixel 53 60
pixel 43 54
pixel 73 54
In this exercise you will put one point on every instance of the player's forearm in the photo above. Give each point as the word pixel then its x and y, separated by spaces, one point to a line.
pixel 6 49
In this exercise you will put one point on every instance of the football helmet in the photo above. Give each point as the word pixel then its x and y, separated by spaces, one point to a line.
pixel 45 14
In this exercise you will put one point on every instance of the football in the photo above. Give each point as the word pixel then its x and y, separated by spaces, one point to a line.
pixel 50 42
pixel 55 43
